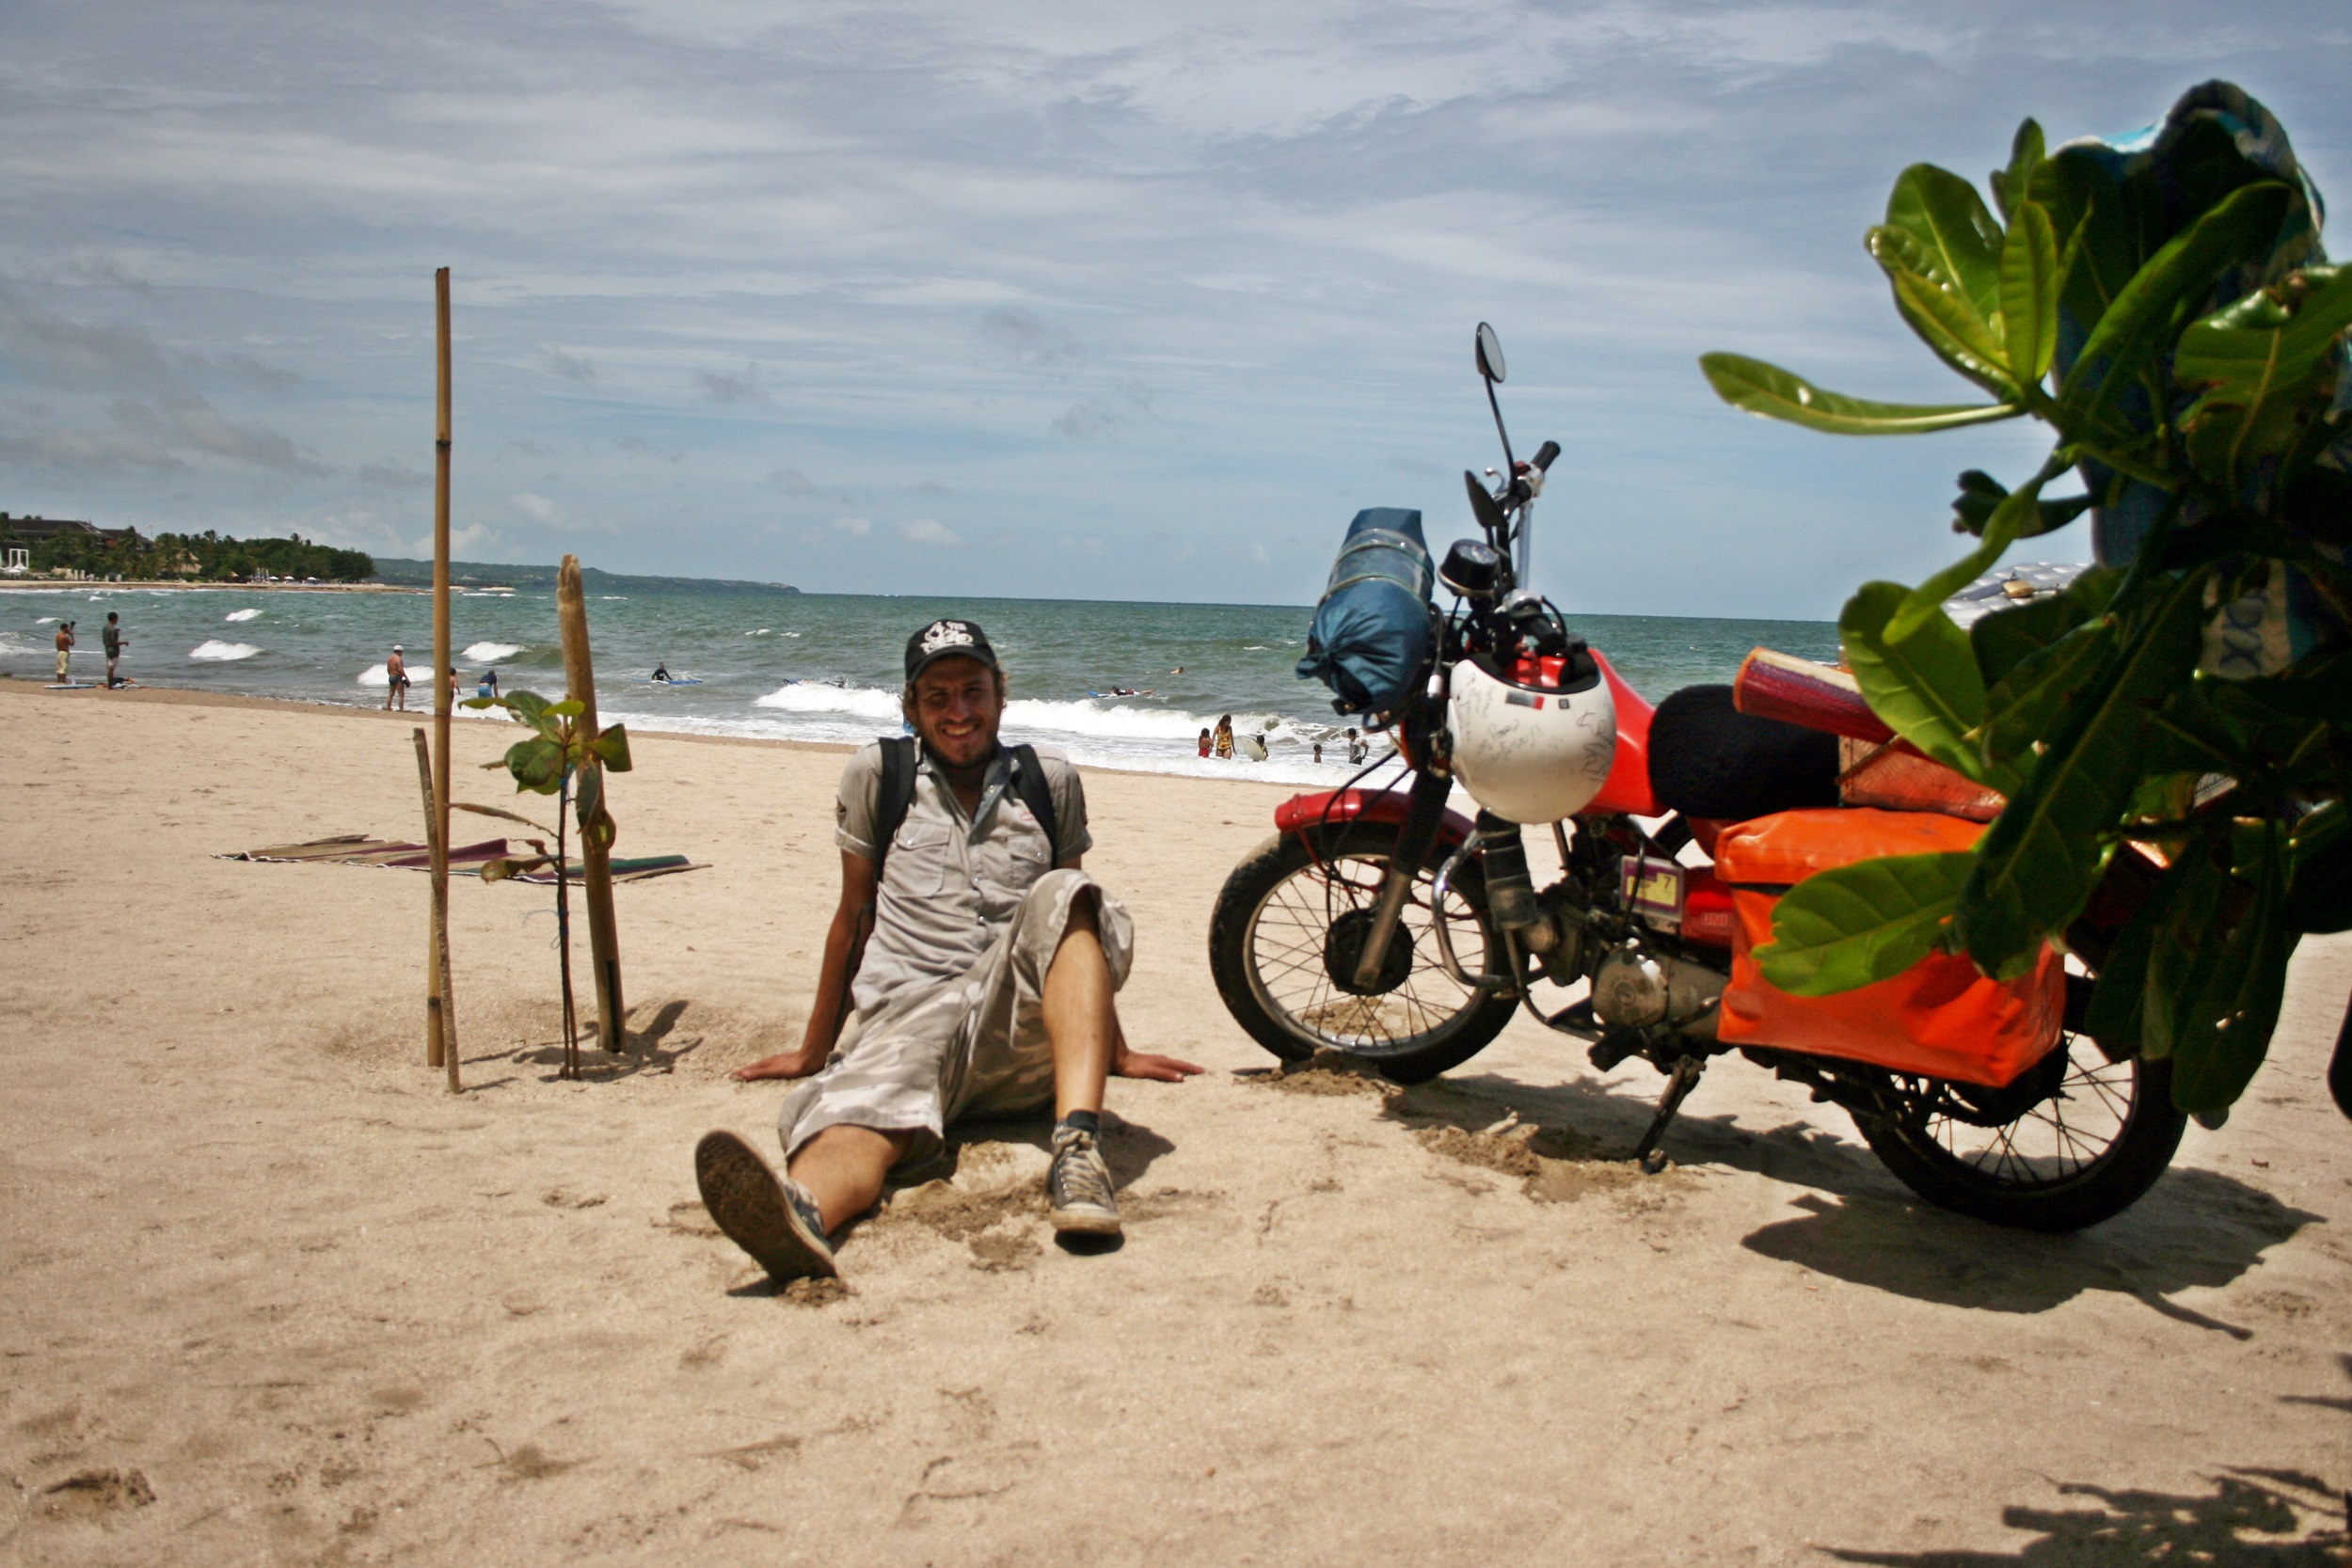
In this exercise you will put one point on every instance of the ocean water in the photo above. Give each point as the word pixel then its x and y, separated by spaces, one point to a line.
pixel 819 667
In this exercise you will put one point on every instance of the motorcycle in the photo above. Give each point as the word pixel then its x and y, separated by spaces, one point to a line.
pixel 1380 923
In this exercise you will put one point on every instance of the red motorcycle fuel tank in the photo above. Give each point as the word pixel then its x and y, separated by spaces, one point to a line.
pixel 1626 788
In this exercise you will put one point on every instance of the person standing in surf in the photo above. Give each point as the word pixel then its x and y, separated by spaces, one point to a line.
pixel 970 970
pixel 111 638
pixel 396 680
pixel 65 650
pixel 1225 737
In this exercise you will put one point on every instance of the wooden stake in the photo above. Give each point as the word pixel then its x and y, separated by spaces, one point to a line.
pixel 596 860
pixel 444 676
pixel 440 1009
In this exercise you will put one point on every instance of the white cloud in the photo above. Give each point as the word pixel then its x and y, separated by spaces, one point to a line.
pixel 856 528
pixel 537 508
pixel 924 531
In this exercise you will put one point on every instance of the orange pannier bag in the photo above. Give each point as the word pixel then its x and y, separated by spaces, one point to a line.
pixel 1938 1018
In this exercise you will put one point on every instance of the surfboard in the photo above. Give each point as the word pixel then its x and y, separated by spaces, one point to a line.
pixel 674 680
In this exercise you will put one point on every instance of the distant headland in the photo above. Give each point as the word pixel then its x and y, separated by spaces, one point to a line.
pixel 482 573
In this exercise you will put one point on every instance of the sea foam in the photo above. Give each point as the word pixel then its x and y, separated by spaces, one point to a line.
pixel 242 615
pixel 213 649
pixel 490 653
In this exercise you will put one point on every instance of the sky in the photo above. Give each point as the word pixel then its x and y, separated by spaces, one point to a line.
pixel 1115 301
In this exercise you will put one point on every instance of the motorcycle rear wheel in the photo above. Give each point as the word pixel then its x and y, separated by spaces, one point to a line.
pixel 2070 1159
pixel 1279 948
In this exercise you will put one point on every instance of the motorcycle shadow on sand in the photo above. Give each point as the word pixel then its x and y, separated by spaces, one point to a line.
pixel 2194 1228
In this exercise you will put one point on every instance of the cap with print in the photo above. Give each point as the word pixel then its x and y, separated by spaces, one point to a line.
pixel 948 639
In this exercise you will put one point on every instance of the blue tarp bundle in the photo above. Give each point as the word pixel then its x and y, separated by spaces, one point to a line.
pixel 1370 632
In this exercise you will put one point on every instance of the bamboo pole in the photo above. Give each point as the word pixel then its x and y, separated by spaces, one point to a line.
pixel 444 676
pixel 441 1009
pixel 596 860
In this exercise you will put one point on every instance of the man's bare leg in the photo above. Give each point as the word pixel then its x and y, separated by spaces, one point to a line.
pixel 1080 1017
pixel 843 1169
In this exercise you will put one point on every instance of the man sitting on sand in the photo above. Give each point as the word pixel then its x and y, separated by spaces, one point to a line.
pixel 984 960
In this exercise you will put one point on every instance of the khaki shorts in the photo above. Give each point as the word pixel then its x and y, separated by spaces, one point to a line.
pixel 969 1045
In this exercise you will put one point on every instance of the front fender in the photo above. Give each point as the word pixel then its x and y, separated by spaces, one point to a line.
pixel 1302 813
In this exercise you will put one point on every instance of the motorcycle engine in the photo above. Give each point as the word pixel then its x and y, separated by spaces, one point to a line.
pixel 1637 988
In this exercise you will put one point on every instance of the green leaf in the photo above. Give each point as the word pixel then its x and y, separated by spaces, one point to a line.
pixel 2249 350
pixel 2037 863
pixel 1926 687
pixel 2010 186
pixel 1980 495
pixel 2103 249
pixel 2027 702
pixel 587 793
pixel 570 707
pixel 2319 883
pixel 2317 685
pixel 2269 363
pixel 2216 975
pixel 1956 235
pixel 1760 389
pixel 1854 925
pixel 2000 531
pixel 2002 637
pixel 611 749
pixel 1943 316
pixel 525 705
pixel 2130 337
pixel 2113 1018
pixel 537 765
pixel 2029 292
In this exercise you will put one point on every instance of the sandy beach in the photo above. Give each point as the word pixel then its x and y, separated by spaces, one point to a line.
pixel 273 1295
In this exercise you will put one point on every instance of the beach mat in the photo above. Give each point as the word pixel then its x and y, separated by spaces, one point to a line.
pixel 464 860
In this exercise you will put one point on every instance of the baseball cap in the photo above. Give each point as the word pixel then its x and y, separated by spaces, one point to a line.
pixel 948 639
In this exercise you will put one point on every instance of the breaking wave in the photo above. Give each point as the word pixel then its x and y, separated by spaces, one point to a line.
pixel 213 649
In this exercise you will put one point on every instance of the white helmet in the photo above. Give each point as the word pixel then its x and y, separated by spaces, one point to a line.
pixel 1531 754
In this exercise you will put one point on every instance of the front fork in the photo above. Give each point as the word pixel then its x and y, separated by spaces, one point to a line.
pixel 1414 840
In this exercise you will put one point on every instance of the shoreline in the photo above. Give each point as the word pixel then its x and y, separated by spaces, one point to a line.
pixel 190 696
pixel 152 585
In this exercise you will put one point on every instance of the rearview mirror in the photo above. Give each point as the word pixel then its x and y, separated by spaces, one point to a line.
pixel 1490 352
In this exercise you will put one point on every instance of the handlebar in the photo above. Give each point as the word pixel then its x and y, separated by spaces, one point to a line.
pixel 1544 454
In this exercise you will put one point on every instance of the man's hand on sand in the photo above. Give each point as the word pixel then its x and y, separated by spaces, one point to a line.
pixel 1143 1064
pixel 783 1064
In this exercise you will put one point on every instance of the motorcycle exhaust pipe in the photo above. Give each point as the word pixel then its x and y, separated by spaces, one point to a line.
pixel 1510 892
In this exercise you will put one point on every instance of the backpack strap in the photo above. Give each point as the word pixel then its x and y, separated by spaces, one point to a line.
pixel 1029 784
pixel 895 796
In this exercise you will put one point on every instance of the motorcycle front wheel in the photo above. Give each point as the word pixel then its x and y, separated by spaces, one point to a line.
pixel 1289 927
pixel 2073 1143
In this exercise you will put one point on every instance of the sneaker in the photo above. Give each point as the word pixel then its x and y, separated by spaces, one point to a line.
pixel 773 1218
pixel 1079 1185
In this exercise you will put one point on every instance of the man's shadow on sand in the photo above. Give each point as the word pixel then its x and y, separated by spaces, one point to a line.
pixel 2194 1228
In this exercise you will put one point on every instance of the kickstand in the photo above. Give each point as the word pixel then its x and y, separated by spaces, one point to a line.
pixel 1679 1084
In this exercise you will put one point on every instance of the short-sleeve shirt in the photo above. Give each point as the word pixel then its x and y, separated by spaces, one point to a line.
pixel 950 884
pixel 112 636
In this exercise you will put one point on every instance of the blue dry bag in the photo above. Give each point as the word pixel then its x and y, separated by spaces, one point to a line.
pixel 1370 632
